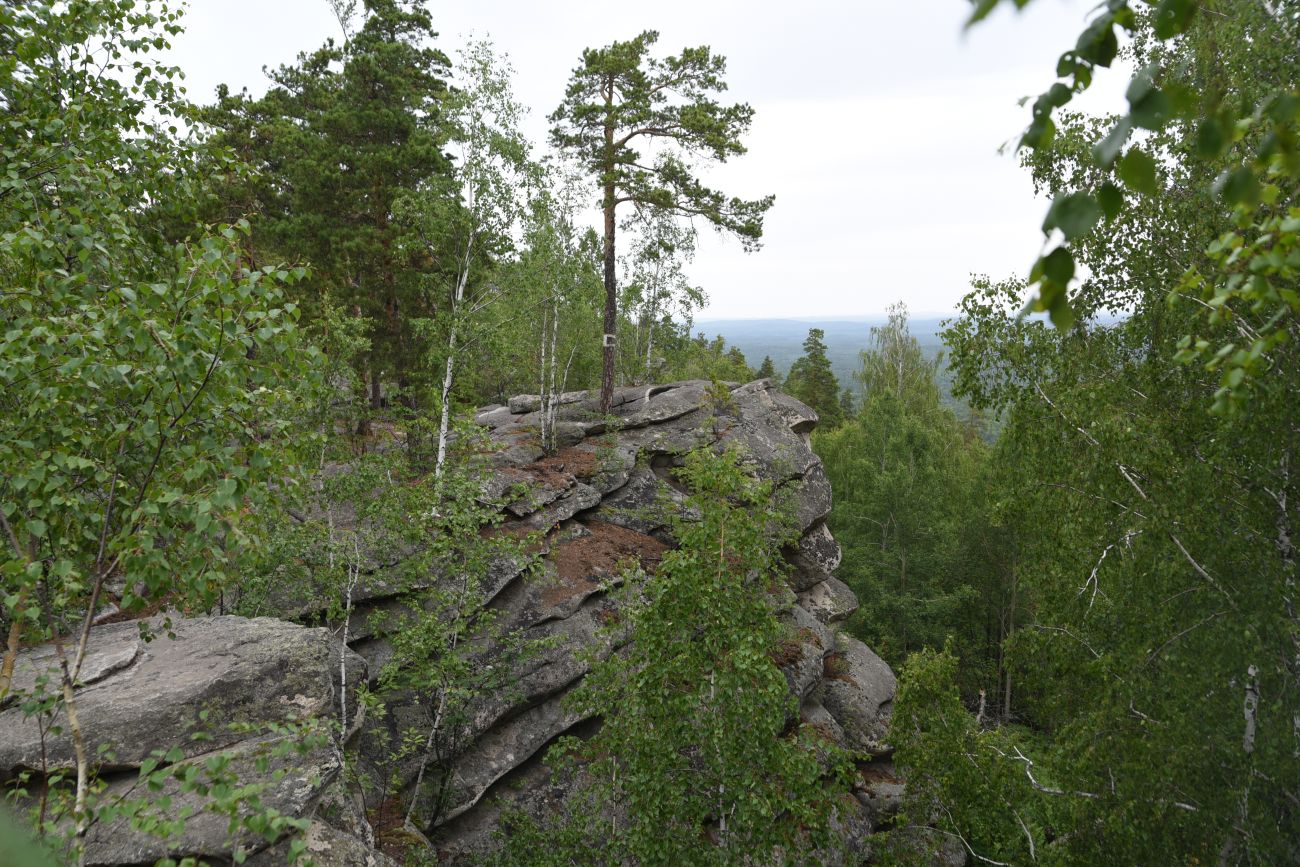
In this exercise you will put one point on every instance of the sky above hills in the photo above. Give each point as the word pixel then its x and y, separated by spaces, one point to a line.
pixel 877 127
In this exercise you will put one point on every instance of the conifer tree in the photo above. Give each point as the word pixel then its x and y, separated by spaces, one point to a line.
pixel 341 135
pixel 621 97
pixel 812 380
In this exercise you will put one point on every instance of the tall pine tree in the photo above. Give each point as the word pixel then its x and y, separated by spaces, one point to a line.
pixel 620 98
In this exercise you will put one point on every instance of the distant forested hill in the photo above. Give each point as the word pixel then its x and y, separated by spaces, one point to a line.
pixel 782 339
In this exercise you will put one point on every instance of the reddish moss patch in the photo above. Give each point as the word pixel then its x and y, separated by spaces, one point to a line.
pixel 391 837
pixel 811 637
pixel 581 563
pixel 544 472
pixel 605 551
pixel 578 462
pixel 787 652
pixel 872 774
pixel 836 667
pixel 561 589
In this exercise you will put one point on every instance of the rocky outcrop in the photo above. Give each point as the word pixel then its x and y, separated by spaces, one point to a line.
pixel 218 701
pixel 604 499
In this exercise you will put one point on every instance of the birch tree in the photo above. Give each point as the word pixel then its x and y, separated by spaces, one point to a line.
pixel 463 230
pixel 144 385
pixel 656 288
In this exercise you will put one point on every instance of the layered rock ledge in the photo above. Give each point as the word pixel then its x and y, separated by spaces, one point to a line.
pixel 604 497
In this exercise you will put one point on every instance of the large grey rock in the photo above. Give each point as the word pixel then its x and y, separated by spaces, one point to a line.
pixel 814 558
pixel 228 669
pixel 858 691
pixel 326 846
pixel 505 748
pixel 494 417
pixel 249 705
pixel 605 500
pixel 879 789
pixel 830 601
pixel 845 690
pixel 288 782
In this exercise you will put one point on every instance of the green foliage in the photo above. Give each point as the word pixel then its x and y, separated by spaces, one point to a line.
pixel 17 850
pixel 812 381
pixel 621 96
pixel 909 512
pixel 341 137
pixel 1158 595
pixel 693 763
pixel 980 798
pixel 657 299
pixel 143 385
pixel 1153 554
pixel 1217 90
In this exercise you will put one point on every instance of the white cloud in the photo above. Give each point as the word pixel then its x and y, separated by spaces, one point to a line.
pixel 877 126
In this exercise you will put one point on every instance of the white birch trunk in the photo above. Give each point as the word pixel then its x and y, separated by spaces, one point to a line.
pixel 444 420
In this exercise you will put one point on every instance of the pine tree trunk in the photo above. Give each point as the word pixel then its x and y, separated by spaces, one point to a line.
pixel 611 306
pixel 611 297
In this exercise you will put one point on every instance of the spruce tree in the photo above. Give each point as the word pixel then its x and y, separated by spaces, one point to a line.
pixel 812 380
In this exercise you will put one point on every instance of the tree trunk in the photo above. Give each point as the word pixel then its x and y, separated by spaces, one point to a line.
pixel 611 305
pixel 1011 628
pixel 376 389
pixel 611 287
pixel 444 419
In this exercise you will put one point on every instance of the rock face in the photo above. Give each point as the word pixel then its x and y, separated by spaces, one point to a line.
pixel 606 498
pixel 602 500
pixel 219 690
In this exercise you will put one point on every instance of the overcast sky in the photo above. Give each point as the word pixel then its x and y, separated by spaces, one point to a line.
pixel 877 126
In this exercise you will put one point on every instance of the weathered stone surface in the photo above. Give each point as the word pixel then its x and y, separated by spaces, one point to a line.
pixel 109 651
pixel 812 713
pixel 879 789
pixel 858 691
pixel 206 832
pixel 577 498
pixel 237 681
pixel 234 669
pixel 809 629
pixel 830 601
pixel 515 445
pixel 326 847
pixel 815 557
pixel 662 406
pixel 605 500
pixel 645 503
pixel 505 748
pixel 494 417
pixel 846 690
pixel 522 403
pixel 812 497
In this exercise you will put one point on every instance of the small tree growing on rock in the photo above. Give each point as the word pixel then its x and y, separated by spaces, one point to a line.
pixel 694 762
pixel 621 97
